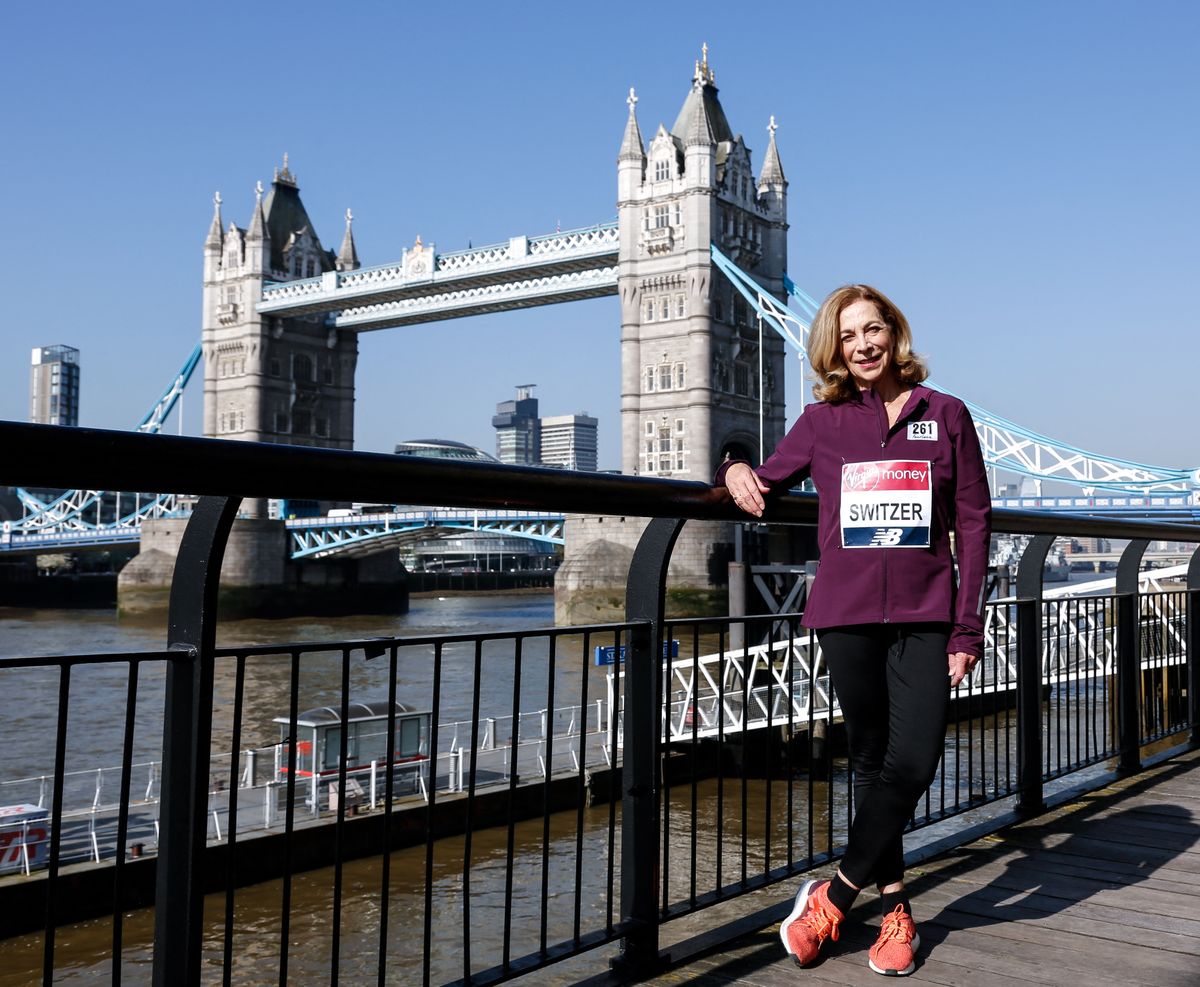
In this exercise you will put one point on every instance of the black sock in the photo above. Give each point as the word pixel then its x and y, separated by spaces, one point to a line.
pixel 841 895
pixel 890 899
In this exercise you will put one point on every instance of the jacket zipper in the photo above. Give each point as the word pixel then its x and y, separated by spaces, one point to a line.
pixel 884 435
pixel 882 410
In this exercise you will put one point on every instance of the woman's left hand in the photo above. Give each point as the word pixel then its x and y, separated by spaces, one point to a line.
pixel 961 664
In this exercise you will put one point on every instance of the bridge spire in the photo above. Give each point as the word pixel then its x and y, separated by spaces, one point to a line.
pixel 702 118
pixel 284 175
pixel 216 232
pixel 632 148
pixel 347 259
pixel 258 223
pixel 772 170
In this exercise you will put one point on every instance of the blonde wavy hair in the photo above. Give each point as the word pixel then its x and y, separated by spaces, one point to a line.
pixel 832 379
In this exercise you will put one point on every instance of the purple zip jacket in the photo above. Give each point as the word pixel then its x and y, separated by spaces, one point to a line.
pixel 892 502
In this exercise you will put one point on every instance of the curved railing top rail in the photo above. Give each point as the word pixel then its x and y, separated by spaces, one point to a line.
pixel 58 456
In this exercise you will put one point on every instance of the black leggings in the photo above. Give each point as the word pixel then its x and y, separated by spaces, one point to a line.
pixel 894 686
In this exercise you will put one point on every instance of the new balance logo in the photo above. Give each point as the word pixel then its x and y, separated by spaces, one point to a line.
pixel 886 537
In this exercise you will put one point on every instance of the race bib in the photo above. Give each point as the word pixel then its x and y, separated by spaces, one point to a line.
pixel 887 504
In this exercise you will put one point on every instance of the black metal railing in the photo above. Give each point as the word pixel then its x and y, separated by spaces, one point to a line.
pixel 552 806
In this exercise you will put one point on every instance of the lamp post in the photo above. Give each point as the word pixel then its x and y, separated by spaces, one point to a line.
pixel 761 391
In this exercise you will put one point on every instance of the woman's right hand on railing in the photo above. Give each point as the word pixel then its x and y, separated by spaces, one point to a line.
pixel 746 488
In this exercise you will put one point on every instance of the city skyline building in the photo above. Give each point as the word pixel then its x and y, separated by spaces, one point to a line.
pixel 518 435
pixel 570 441
pixel 54 385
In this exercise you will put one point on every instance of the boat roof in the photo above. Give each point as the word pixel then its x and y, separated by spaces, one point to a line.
pixel 320 716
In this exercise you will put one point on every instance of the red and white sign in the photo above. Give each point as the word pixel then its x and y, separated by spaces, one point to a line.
pixel 24 829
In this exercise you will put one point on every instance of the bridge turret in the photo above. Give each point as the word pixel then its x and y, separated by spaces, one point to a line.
pixel 275 379
pixel 699 138
pixel 631 161
pixel 772 181
pixel 690 357
pixel 213 242
pixel 347 259
pixel 216 232
pixel 258 238
pixel 772 198
pixel 690 367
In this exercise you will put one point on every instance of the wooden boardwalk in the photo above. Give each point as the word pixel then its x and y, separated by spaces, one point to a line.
pixel 1103 890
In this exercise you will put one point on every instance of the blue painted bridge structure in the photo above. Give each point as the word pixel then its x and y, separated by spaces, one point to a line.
pixel 365 534
pixel 543 270
pixel 346 536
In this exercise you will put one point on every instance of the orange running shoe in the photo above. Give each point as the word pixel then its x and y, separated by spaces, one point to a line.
pixel 814 919
pixel 894 951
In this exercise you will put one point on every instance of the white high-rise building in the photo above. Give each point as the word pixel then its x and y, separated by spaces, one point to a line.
pixel 569 441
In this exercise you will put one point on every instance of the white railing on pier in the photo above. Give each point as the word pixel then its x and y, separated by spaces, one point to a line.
pixel 785 682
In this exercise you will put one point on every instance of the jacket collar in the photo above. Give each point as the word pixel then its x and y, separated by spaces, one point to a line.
pixel 919 393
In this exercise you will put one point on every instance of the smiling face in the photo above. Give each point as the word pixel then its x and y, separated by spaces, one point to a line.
pixel 867 343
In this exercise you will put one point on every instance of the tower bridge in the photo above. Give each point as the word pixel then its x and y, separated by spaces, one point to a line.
pixel 697 258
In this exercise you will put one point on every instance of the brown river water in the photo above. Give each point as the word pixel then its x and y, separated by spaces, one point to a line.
pixel 96 722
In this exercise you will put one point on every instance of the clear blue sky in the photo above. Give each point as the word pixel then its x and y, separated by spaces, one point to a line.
pixel 1020 177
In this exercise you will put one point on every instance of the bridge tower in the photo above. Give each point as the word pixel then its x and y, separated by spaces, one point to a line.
pixel 691 387
pixel 286 380
pixel 690 361
pixel 269 379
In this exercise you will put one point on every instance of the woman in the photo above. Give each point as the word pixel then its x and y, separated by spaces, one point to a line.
pixel 897 467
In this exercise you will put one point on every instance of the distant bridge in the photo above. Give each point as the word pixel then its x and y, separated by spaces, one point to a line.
pixel 347 536
pixel 365 534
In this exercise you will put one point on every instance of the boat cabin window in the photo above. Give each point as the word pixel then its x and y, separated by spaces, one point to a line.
pixel 333 746
pixel 372 741
pixel 410 737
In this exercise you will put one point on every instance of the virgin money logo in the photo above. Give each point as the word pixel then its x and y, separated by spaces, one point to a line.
pixel 860 476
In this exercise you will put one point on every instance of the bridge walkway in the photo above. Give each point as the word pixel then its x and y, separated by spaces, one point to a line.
pixel 1104 889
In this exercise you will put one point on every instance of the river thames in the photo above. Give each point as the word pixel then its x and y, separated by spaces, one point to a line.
pixel 93 741
pixel 96 721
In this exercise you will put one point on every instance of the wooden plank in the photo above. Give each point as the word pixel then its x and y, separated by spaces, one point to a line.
pixel 1026 876
pixel 1078 949
pixel 975 954
pixel 1072 957
pixel 1154 816
pixel 1104 890
pixel 996 905
pixel 1123 831
pixel 1114 871
pixel 1083 846
pixel 931 969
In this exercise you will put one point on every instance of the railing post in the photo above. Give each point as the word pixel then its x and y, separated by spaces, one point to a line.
pixel 1029 675
pixel 1129 658
pixel 187 728
pixel 1193 645
pixel 640 776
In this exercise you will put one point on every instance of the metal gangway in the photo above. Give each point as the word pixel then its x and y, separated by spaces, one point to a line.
pixel 784 680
